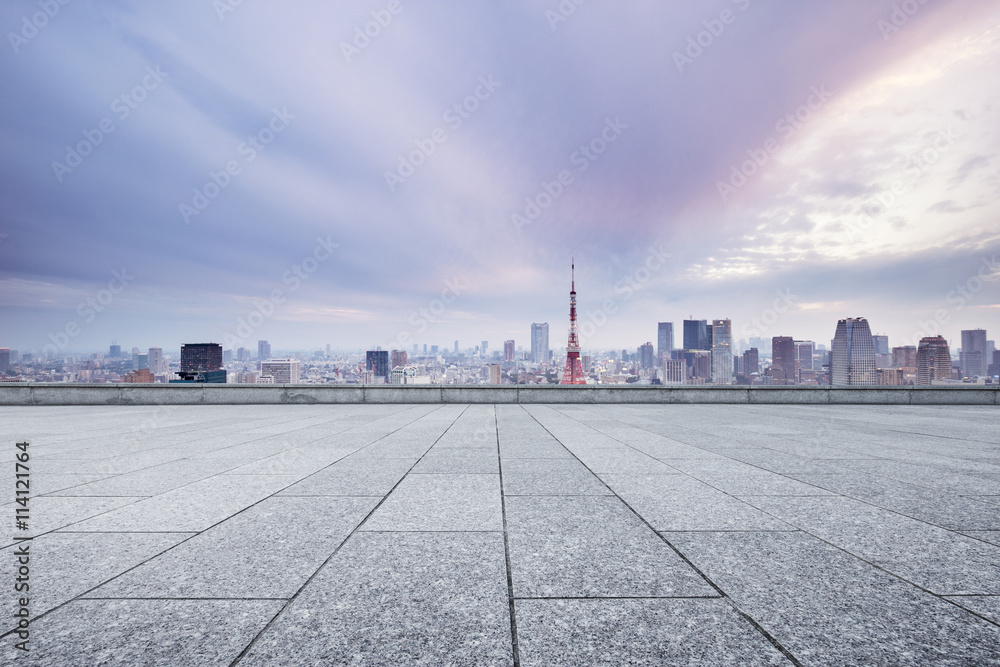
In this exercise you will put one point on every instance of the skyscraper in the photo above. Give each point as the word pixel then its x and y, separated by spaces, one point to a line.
pixel 156 365
pixel 540 343
pixel 647 357
pixel 573 372
pixel 904 356
pixel 973 359
pixel 751 361
pixel 722 352
pixel 933 360
pixel 696 335
pixel 883 358
pixel 115 352
pixel 4 359
pixel 664 340
pixel 377 361
pixel 263 350
pixel 398 358
pixel 783 361
pixel 482 348
pixel 508 350
pixel 852 360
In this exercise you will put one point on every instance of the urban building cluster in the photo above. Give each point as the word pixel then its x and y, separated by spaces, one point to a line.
pixel 707 355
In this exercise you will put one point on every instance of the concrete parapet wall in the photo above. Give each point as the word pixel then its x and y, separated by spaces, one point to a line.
pixel 235 394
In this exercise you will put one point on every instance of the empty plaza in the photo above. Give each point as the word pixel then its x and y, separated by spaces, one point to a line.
pixel 532 535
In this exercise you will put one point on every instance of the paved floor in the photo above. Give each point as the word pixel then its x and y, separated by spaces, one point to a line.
pixel 508 535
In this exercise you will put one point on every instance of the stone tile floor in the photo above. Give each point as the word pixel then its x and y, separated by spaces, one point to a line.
pixel 507 535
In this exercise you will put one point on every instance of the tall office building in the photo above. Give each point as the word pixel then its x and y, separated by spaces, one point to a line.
pixel 805 353
pixel 284 371
pixel 483 347
pixel 115 352
pixel 852 360
pixel 508 350
pixel 883 357
pixel 696 335
pixel 722 352
pixel 674 371
pixel 398 358
pixel 751 361
pixel 933 360
pixel 647 356
pixel 456 347
pixel 377 361
pixel 974 357
pixel 156 365
pixel 4 359
pixel 263 350
pixel 783 371
pixel 540 343
pixel 200 357
pixel 664 340
pixel 496 376
pixel 904 356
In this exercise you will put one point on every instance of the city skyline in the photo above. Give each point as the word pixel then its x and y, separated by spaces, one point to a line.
pixel 433 178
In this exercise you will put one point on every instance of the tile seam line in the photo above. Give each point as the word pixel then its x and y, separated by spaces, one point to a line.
pixel 193 535
pixel 732 603
pixel 253 642
pixel 515 647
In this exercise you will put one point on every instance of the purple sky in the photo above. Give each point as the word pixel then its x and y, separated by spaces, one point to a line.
pixel 874 192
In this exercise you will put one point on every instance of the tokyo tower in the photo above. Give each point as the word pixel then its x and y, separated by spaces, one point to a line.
pixel 573 373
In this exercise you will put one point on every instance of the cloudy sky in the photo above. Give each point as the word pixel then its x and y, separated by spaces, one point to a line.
pixel 388 173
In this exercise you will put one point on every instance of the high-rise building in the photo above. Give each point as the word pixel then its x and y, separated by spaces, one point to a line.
pixel 904 356
pixel 647 356
pixel 156 365
pixel 664 340
pixel 263 350
pixel 852 361
pixel 933 360
pixel 115 352
pixel 783 370
pixel 483 347
pixel 141 362
pixel 377 361
pixel 573 372
pixel 805 353
pixel 540 343
pixel 495 374
pixel 751 361
pixel 993 370
pixel 696 335
pixel 973 358
pixel 284 371
pixel 198 357
pixel 4 359
pixel 434 350
pixel 883 357
pixel 398 358
pixel 722 352
pixel 456 347
pixel 508 350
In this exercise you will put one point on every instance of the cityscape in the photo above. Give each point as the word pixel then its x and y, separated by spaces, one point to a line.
pixel 703 353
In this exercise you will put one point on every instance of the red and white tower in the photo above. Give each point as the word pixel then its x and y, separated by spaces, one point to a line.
pixel 573 373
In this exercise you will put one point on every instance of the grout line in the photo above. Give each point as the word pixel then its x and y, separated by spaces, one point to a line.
pixel 515 649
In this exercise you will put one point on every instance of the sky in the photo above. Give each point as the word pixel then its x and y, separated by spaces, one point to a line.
pixel 402 172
